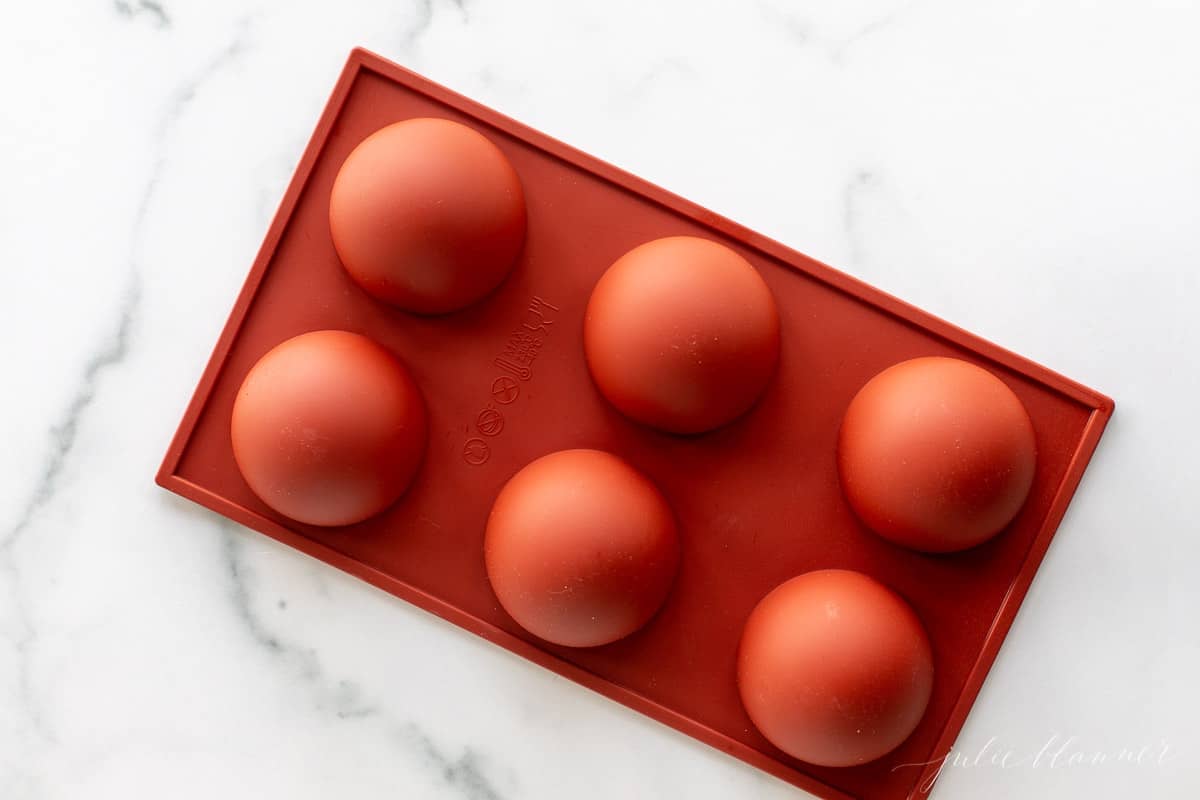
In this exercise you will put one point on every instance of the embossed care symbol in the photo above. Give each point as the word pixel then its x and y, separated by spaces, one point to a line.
pixel 513 365
pixel 476 452
pixel 489 422
pixel 505 389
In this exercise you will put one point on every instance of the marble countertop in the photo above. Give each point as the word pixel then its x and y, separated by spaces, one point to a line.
pixel 1029 170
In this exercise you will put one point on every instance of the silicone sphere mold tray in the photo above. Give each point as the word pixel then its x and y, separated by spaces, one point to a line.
pixel 505 381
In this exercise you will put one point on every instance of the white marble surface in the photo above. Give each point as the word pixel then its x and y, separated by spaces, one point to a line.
pixel 1029 170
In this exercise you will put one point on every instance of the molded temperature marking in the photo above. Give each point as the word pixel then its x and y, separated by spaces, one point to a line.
pixel 515 365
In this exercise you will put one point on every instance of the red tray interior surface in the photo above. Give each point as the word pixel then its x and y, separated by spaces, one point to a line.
pixel 758 502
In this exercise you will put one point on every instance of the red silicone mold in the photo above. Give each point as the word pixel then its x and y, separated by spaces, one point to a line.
pixel 505 382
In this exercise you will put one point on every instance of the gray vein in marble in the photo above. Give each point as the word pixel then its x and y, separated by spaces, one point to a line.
pixel 148 8
pixel 342 698
pixel 115 348
pixel 796 29
pixel 803 33
pixel 662 70
pixel 112 352
pixel 860 182
pixel 642 86
pixel 240 595
pixel 838 51
pixel 463 773
pixel 424 12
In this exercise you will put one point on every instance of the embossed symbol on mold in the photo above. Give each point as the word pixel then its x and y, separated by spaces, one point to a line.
pixel 505 390
pixel 489 422
pixel 476 452
pixel 514 364
pixel 525 343
pixel 508 365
